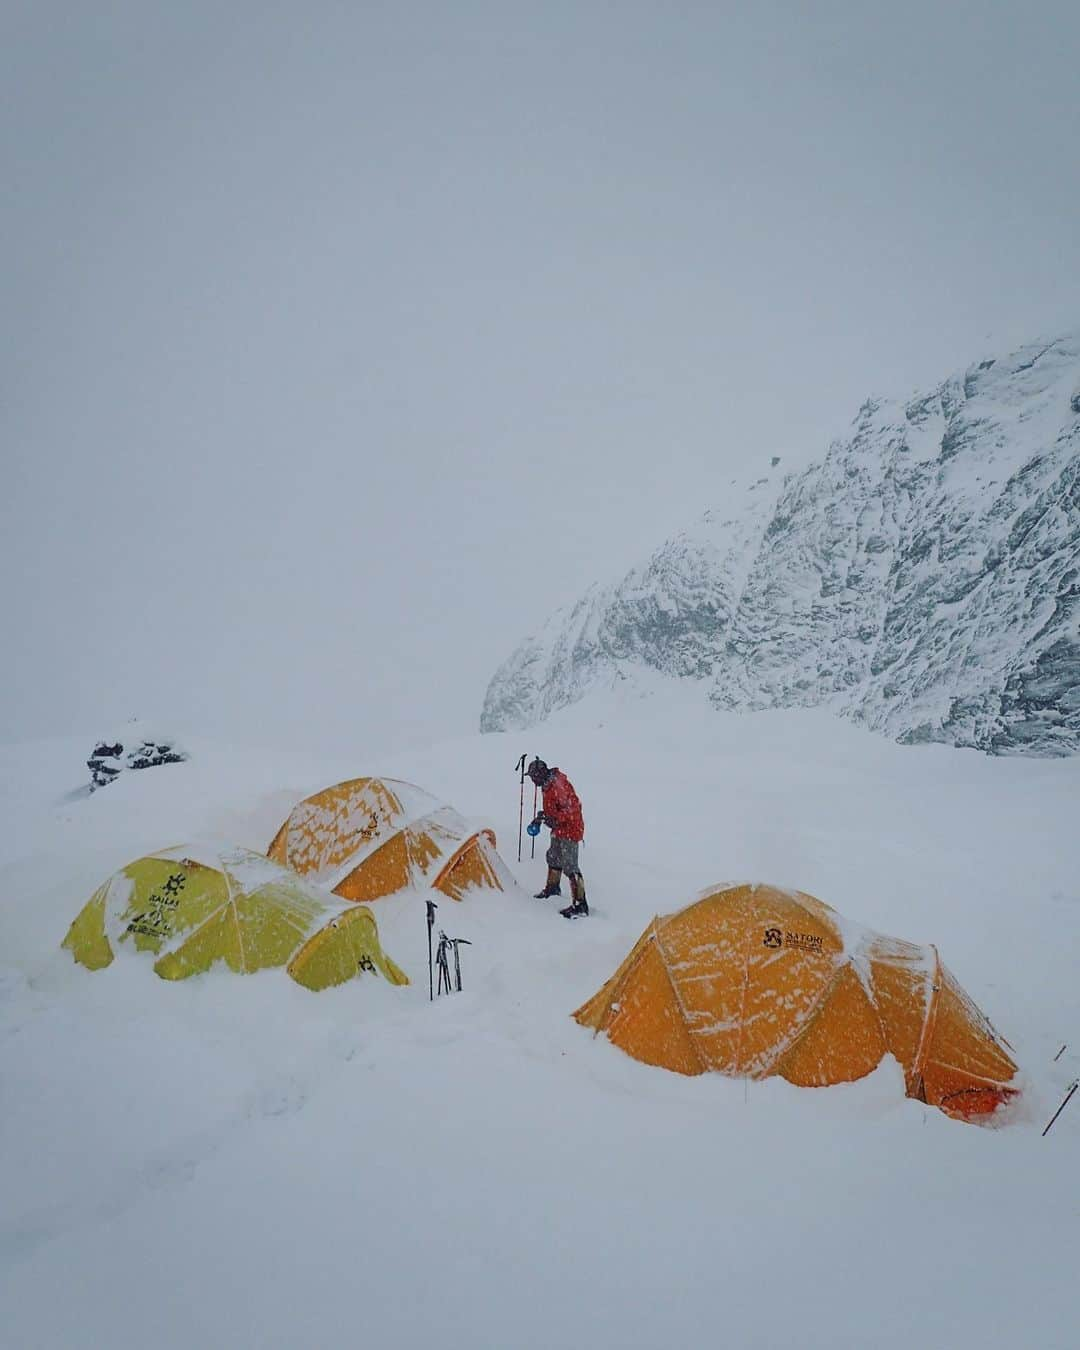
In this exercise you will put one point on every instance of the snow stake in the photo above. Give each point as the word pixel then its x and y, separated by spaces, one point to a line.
pixel 431 908
pixel 1068 1097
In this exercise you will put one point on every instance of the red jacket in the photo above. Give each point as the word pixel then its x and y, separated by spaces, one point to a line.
pixel 562 808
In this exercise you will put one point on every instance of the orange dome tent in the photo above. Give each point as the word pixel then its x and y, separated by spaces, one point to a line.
pixel 751 980
pixel 370 837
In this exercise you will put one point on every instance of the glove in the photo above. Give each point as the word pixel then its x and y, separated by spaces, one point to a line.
pixel 533 828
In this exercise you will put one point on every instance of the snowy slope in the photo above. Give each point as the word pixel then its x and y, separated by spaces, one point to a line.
pixel 921 578
pixel 237 1162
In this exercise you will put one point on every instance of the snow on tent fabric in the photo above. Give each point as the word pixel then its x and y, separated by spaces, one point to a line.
pixel 754 981
pixel 370 837
pixel 191 907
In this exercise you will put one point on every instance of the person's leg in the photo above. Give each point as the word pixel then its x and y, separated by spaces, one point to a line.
pixel 553 886
pixel 577 881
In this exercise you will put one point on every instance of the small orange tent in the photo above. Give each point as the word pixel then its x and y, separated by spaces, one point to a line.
pixel 751 980
pixel 371 837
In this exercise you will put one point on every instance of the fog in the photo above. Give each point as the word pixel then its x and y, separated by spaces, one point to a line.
pixel 342 342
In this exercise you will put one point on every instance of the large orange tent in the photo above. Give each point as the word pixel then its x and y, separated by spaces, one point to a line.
pixel 370 837
pixel 753 981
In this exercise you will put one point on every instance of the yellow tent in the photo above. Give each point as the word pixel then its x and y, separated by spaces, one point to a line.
pixel 370 837
pixel 191 907
pixel 754 981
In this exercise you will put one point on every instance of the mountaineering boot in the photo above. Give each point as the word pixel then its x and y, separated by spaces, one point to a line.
pixel 552 886
pixel 578 910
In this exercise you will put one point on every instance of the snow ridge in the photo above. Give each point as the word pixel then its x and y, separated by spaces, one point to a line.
pixel 922 578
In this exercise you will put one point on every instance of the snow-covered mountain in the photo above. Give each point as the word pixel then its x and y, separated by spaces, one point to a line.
pixel 923 578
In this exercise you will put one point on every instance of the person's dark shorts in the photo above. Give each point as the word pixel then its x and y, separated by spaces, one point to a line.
pixel 562 856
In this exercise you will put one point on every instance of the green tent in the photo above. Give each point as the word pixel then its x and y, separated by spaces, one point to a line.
pixel 189 908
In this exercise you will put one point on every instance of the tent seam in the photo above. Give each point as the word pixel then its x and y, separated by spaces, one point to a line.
pixel 231 902
pixel 811 1017
pixel 615 983
pixel 228 902
pixel 362 857
pixel 742 1005
pixel 871 998
pixel 691 1033
pixel 929 1021
pixel 457 856
pixel 355 861
pixel 978 1078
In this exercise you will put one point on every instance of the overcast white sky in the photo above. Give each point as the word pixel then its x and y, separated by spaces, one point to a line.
pixel 340 342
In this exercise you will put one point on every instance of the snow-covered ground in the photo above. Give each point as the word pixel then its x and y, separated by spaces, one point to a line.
pixel 236 1162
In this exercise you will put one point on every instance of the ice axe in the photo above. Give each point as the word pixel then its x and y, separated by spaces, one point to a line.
pixel 442 963
pixel 458 942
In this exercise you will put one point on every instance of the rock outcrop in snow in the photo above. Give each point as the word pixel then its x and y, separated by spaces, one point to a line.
pixel 136 749
pixel 923 578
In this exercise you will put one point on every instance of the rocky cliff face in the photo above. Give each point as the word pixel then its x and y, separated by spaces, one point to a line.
pixel 923 577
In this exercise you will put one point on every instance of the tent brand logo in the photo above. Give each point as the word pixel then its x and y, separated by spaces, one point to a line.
pixel 371 829
pixel 154 921
pixel 804 942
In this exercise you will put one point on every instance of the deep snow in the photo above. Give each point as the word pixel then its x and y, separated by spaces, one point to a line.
pixel 234 1161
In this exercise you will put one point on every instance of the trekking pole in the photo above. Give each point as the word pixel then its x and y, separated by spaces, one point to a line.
pixel 1068 1097
pixel 458 942
pixel 520 766
pixel 1059 1054
pixel 431 908
pixel 535 791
